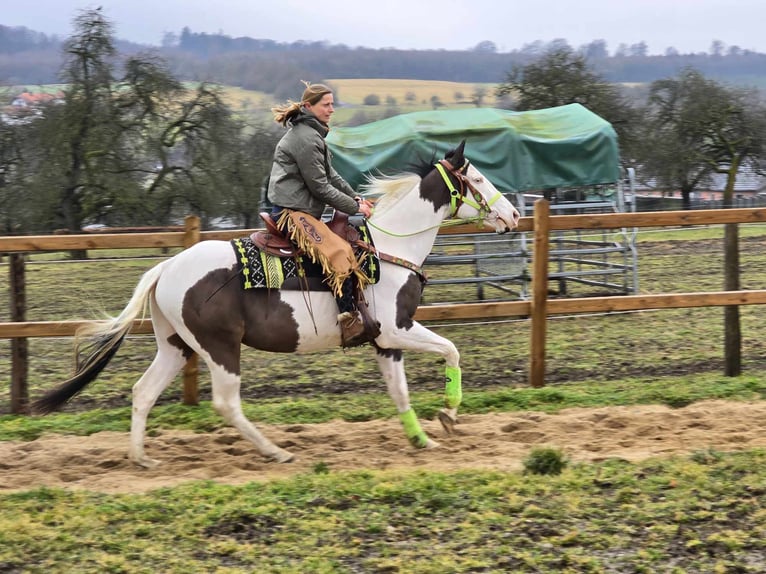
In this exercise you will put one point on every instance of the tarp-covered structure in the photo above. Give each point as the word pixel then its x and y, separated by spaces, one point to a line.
pixel 565 146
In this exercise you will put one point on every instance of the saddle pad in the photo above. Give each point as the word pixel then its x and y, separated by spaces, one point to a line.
pixel 259 270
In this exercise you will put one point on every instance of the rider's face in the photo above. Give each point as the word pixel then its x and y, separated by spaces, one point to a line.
pixel 323 109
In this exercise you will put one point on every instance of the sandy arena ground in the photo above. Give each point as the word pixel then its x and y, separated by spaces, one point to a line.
pixel 493 442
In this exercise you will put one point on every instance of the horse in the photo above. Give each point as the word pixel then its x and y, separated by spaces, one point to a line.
pixel 195 307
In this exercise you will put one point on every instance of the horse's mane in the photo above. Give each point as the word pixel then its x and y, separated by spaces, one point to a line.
pixel 391 188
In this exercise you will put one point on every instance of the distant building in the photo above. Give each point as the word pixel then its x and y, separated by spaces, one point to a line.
pixel 748 183
pixel 32 100
pixel 27 106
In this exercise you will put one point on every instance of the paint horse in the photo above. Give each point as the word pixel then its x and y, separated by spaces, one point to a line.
pixel 197 308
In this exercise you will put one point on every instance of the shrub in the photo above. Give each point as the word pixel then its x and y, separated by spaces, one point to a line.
pixel 544 460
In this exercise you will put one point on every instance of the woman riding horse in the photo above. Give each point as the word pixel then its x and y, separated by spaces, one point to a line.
pixel 197 307
pixel 301 185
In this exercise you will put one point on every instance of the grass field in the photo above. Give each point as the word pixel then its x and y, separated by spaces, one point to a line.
pixel 351 94
pixel 351 91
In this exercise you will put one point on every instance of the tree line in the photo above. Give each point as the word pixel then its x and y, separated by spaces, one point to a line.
pixel 131 145
pixel 28 57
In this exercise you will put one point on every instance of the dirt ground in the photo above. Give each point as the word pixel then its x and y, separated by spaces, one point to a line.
pixel 491 442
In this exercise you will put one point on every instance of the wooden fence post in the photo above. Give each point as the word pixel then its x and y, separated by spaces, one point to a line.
pixel 19 347
pixel 539 292
pixel 191 369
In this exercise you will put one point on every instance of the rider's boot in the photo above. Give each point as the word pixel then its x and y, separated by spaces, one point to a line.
pixel 357 326
pixel 352 329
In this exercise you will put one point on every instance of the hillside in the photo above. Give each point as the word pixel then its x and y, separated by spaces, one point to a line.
pixel 268 66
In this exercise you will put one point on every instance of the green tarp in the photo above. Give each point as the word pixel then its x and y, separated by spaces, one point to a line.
pixel 566 146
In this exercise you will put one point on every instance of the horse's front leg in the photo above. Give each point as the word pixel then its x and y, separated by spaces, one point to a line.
pixel 391 364
pixel 418 338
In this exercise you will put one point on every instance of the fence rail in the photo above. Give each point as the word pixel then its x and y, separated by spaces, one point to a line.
pixel 537 309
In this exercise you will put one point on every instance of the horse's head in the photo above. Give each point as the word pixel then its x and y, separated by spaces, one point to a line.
pixel 473 196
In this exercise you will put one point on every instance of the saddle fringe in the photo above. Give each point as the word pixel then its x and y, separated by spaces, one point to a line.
pixel 335 277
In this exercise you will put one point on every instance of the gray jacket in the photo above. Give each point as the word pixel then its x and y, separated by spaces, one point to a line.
pixel 302 176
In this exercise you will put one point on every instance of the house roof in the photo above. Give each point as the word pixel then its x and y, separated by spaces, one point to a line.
pixel 34 99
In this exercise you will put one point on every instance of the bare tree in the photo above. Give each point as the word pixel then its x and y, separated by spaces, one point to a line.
pixel 86 132
pixel 698 127
pixel 131 145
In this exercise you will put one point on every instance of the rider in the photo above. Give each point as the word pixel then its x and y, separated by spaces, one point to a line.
pixel 303 182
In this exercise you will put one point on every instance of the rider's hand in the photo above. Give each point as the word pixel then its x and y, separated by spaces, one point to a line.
pixel 365 206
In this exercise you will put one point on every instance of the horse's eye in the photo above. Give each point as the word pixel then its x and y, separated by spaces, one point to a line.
pixel 478 179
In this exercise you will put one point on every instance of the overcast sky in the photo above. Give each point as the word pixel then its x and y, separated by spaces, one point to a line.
pixel 686 25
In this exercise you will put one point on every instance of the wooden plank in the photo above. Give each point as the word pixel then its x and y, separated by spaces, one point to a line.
pixel 226 235
pixel 59 328
pixel 659 301
pixel 33 243
pixel 10 244
pixel 473 311
pixel 657 218
pixel 14 244
pixel 485 310
pixel 606 304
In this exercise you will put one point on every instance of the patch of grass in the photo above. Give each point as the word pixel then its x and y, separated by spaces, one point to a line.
pixel 612 516
pixel 545 460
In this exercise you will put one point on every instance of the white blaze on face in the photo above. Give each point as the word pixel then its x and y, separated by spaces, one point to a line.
pixel 503 216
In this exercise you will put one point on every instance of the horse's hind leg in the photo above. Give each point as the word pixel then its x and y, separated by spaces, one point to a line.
pixel 170 358
pixel 226 401
pixel 166 364
pixel 391 364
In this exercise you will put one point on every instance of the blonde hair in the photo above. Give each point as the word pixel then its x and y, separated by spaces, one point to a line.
pixel 311 95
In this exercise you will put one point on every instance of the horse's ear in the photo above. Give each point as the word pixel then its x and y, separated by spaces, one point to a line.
pixel 456 156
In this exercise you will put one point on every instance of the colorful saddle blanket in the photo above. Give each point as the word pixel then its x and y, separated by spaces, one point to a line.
pixel 260 270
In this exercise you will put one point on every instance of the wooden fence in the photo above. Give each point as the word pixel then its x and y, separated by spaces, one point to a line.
pixel 537 309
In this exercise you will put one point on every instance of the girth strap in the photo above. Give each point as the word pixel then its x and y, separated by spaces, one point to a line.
pixel 393 259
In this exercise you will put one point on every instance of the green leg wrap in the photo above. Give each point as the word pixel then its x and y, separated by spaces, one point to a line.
pixel 412 429
pixel 453 391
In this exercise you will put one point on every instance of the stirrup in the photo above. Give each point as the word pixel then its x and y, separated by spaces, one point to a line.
pixel 354 331
pixel 371 325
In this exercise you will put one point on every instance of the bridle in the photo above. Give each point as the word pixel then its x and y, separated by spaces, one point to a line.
pixel 460 196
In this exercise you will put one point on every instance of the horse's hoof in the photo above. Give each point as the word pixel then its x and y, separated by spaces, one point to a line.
pixel 281 456
pixel 430 443
pixel 145 462
pixel 448 419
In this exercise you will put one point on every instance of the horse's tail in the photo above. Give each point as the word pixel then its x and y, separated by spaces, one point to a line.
pixel 100 341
